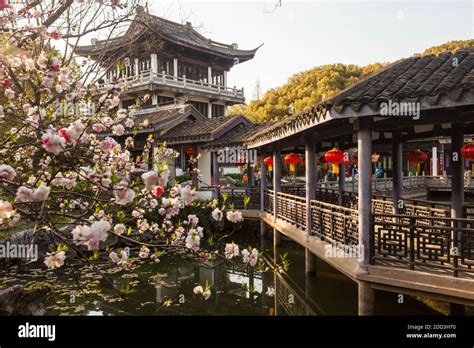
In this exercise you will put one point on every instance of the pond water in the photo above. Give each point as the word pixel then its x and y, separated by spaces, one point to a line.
pixel 166 288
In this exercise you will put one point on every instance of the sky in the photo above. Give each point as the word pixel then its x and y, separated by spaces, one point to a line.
pixel 299 35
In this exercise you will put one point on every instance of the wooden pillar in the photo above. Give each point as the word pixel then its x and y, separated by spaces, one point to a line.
pixel 276 178
pixel 457 187
pixel 366 298
pixel 175 68
pixel 310 173
pixel 342 183
pixel 249 175
pixel 365 188
pixel 263 183
pixel 215 175
pixel 397 163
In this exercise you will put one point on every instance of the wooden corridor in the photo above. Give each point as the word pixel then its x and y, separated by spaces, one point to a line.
pixel 420 251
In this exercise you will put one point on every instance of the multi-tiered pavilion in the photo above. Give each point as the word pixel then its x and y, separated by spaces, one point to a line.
pixel 185 76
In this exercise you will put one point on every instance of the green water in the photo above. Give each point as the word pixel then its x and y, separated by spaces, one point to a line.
pixel 166 288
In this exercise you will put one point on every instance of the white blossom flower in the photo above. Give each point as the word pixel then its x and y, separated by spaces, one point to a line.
pixel 120 229
pixel 7 172
pixel 188 194
pixel 217 214
pixel 118 130
pixel 231 250
pixel 55 260
pixel 124 195
pixel 234 216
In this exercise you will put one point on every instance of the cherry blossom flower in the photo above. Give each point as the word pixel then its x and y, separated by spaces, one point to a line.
pixel 7 172
pixel 129 123
pixel 231 250
pixel 217 214
pixel 118 130
pixel 250 257
pixel 52 142
pixel 193 240
pixel 206 294
pixel 150 179
pixel 91 236
pixel 234 216
pixel 188 195
pixel 124 195
pixel 144 252
pixel 55 260
pixel 25 194
pixel 120 229
pixel 158 192
pixel 198 290
pixel 108 144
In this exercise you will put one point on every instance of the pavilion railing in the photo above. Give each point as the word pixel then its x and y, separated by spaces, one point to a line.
pixel 334 223
pixel 292 209
pixel 421 237
pixel 268 201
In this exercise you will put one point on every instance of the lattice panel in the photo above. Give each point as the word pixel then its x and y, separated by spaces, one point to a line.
pixel 467 248
pixel 433 244
pixel 392 241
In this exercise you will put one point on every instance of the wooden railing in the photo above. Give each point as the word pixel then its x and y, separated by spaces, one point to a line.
pixel 421 236
pixel 292 209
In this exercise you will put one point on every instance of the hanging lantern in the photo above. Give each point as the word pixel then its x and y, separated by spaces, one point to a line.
pixel 190 150
pixel 269 162
pixel 292 160
pixel 467 151
pixel 334 156
pixel 416 158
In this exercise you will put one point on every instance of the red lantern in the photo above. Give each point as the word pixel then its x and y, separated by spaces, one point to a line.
pixel 292 159
pixel 190 150
pixel 269 162
pixel 334 156
pixel 467 151
pixel 417 157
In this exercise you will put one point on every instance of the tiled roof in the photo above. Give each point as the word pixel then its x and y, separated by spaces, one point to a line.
pixel 237 136
pixel 166 117
pixel 428 80
pixel 203 130
pixel 430 77
pixel 181 34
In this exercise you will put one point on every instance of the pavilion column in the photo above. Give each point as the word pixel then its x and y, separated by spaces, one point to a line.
pixel 365 188
pixel 137 67
pixel 209 110
pixel 263 183
pixel 175 68
pixel 215 175
pixel 366 298
pixel 397 163
pixel 342 183
pixel 209 75
pixel 457 186
pixel 249 175
pixel 310 172
pixel 276 188
pixel 154 64
pixel 225 78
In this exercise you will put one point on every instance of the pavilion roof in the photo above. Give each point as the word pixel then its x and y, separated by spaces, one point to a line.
pixel 412 79
pixel 164 118
pixel 237 136
pixel 436 82
pixel 208 130
pixel 145 26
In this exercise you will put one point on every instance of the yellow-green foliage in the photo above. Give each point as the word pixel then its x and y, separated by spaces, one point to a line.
pixel 305 89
